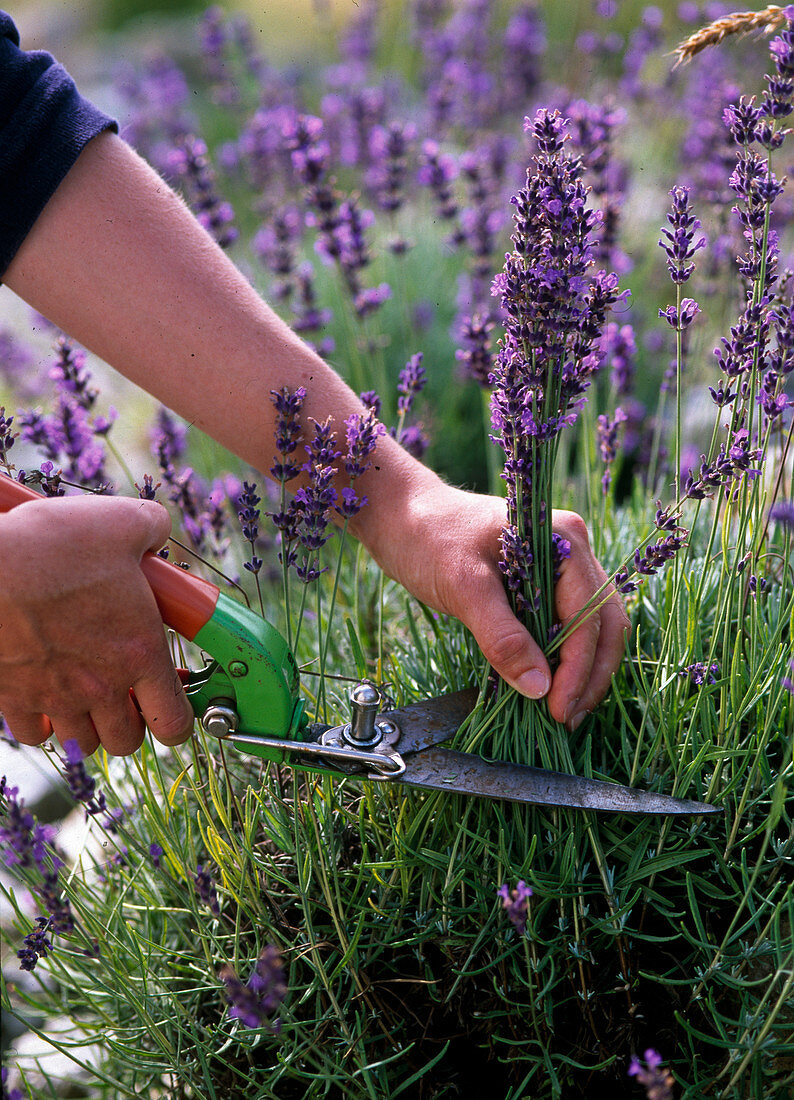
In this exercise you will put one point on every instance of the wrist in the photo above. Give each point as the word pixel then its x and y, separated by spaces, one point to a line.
pixel 399 490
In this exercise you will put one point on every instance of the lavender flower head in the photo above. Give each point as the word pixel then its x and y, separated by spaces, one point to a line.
pixel 82 786
pixel 700 673
pixel 38 945
pixel 653 1075
pixel 288 431
pixel 205 889
pixel 412 381
pixel 783 514
pixel 678 241
pixel 7 437
pixel 516 903
pixel 255 1001
pixel 248 515
pixel 25 842
pixel 362 431
pixel 554 314
pixel 22 839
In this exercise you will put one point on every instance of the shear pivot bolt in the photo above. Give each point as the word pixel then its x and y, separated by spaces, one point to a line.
pixel 219 721
pixel 238 668
pixel 364 701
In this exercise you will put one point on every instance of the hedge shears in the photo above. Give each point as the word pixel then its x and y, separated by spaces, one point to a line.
pixel 247 695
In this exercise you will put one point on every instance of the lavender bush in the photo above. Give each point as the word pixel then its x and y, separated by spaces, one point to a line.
pixel 227 928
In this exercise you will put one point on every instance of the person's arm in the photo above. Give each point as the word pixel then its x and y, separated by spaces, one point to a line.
pixel 118 261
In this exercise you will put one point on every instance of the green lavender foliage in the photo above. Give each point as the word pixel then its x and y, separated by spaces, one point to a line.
pixel 405 978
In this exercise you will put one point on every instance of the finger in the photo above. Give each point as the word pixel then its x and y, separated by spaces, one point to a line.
pixel 27 729
pixel 506 644
pixel 608 656
pixel 158 525
pixel 120 727
pixel 573 674
pixel 78 728
pixel 165 707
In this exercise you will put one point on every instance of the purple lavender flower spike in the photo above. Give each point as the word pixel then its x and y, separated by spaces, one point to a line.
pixel 307 315
pixel 82 786
pixel 516 903
pixel 7 437
pixel 619 348
pixel 554 313
pixel 56 904
pixel 168 439
pixel 155 854
pixel 248 514
pixel 742 120
pixel 205 888
pixel 783 513
pixel 412 381
pixel 147 491
pixel 38 945
pixel 608 442
pixel 371 298
pixel 390 147
pixel 438 171
pixel 476 353
pixel 524 46
pixel 648 563
pixel 414 440
pixel 189 161
pixel 23 840
pixel 69 434
pixel 779 96
pixel 69 373
pixel 288 430
pixel 700 673
pixel 681 318
pixel 680 246
pixel 316 500
pixel 361 433
pixel 254 1002
pixel 275 246
pixel 371 400
pixel 657 1080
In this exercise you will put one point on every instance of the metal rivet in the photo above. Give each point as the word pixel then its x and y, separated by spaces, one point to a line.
pixel 219 721
pixel 238 668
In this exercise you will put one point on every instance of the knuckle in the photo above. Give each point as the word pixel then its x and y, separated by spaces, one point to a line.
pixel 574 527
pixel 141 654
pixel 171 727
pixel 509 651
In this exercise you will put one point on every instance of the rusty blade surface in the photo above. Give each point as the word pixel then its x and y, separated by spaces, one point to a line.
pixel 426 724
pixel 431 721
pixel 441 769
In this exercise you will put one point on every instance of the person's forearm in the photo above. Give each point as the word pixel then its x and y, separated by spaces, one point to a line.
pixel 118 261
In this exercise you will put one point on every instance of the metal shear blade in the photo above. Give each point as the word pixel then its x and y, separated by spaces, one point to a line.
pixel 423 726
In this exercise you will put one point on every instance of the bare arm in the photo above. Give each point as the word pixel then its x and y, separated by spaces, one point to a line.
pixel 118 261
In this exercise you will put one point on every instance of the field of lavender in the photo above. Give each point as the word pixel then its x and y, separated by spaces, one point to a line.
pixel 555 258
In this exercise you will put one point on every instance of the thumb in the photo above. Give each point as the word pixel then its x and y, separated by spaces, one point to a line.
pixel 507 645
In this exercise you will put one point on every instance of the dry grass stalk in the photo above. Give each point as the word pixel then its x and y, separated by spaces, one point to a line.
pixel 740 22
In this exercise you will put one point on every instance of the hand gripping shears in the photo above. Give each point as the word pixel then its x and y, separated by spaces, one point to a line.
pixel 248 696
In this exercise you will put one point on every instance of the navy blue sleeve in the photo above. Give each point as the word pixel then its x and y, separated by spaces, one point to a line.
pixel 44 125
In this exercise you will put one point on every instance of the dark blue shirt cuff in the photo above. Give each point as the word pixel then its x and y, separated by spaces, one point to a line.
pixel 44 125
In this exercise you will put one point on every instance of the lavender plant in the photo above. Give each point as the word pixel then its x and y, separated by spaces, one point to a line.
pixel 222 927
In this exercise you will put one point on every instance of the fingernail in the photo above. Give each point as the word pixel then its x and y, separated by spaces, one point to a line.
pixel 534 684
pixel 577 720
